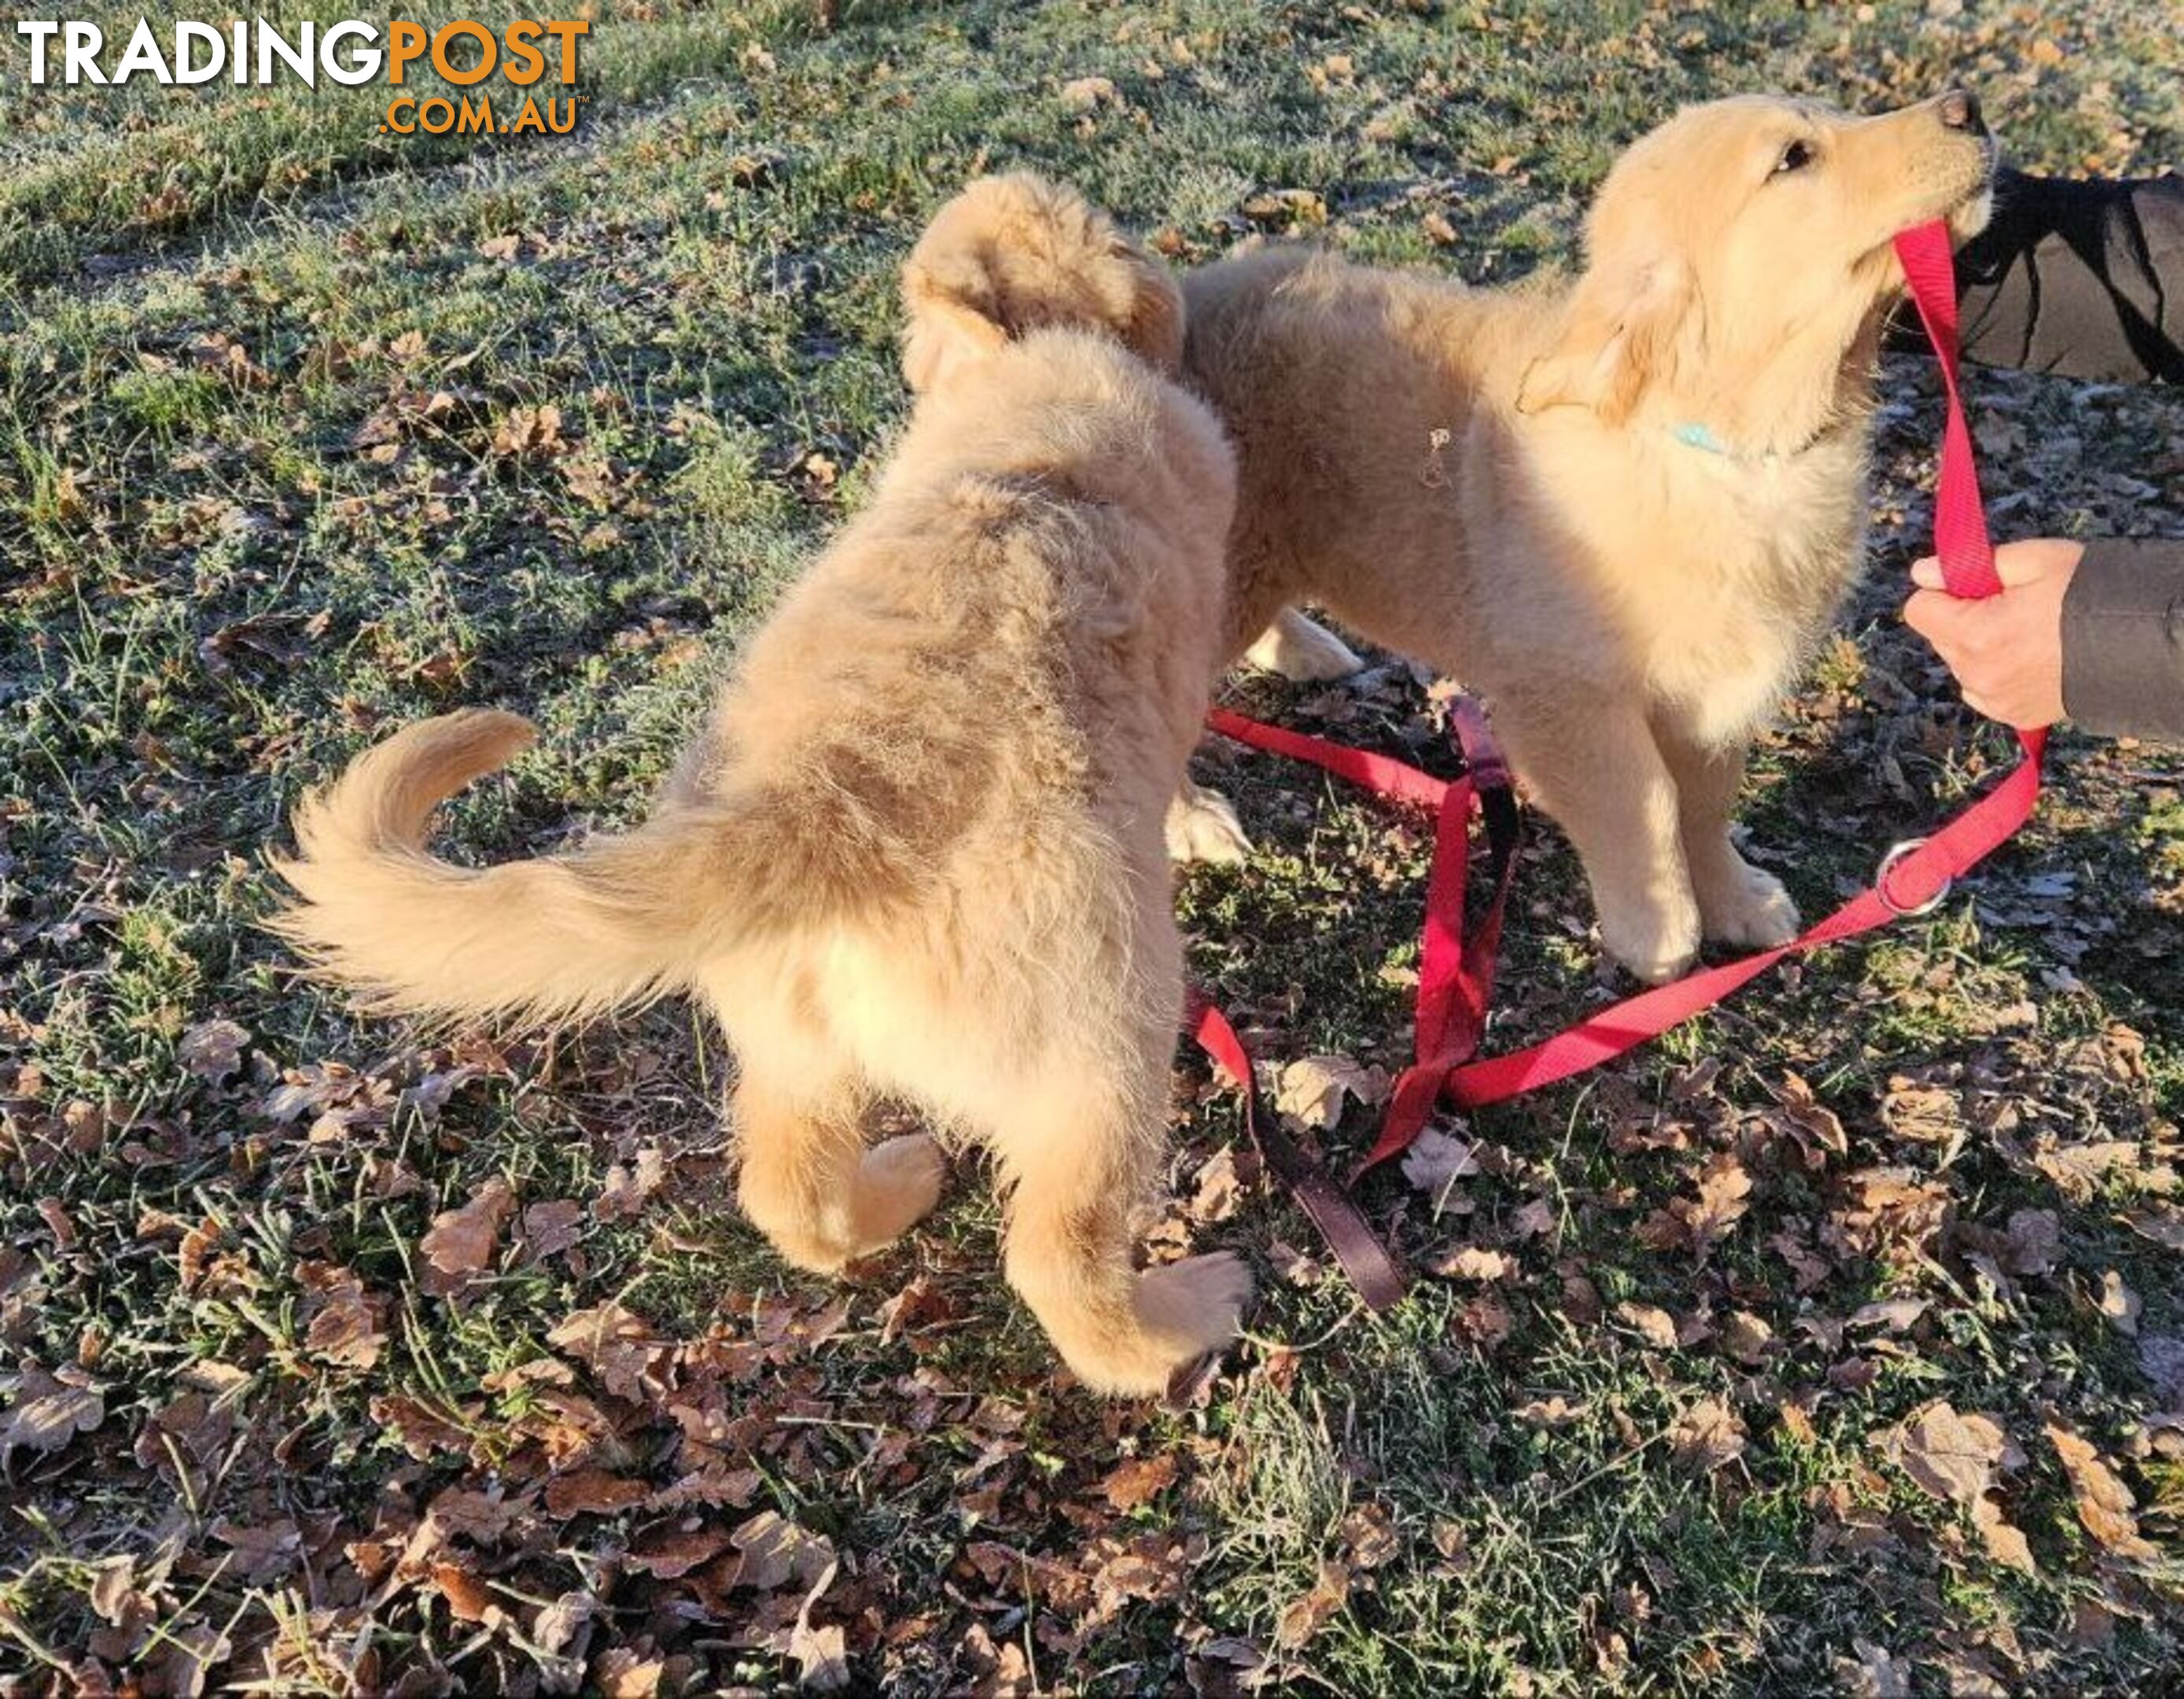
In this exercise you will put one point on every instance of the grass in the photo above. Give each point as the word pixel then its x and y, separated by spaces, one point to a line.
pixel 266 492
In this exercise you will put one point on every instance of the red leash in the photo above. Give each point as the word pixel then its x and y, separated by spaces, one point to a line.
pixel 1456 970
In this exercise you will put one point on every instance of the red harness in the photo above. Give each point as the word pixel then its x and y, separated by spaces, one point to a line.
pixel 1456 970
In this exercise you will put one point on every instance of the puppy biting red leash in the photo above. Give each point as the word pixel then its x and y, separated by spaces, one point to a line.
pixel 1455 975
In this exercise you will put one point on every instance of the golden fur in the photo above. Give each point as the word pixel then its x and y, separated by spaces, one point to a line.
pixel 918 852
pixel 1493 482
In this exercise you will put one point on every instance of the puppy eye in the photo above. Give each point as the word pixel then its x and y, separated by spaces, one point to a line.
pixel 1795 157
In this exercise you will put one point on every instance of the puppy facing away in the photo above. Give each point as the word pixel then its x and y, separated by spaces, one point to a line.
pixel 1623 508
pixel 918 852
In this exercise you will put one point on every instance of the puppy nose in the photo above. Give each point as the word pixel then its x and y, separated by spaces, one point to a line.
pixel 1961 110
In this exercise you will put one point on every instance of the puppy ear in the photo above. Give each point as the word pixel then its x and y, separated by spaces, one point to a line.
pixel 946 331
pixel 1152 328
pixel 1014 255
pixel 1620 338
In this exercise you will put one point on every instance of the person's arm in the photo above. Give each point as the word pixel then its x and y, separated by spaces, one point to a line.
pixel 2082 279
pixel 2123 640
pixel 2091 631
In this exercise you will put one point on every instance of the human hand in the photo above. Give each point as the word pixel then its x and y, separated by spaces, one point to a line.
pixel 2006 651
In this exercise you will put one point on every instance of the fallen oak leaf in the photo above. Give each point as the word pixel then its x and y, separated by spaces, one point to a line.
pixel 1955 1458
pixel 669 1551
pixel 821 1654
pixel 212 1051
pixel 1656 1326
pixel 593 1492
pixel 626 1190
pixel 619 1347
pixel 1707 1436
pixel 551 1227
pixel 348 1327
pixel 47 1410
pixel 461 1242
pixel 1437 1160
pixel 1304 1616
pixel 1138 1481
pixel 776 1550
pixel 2104 1503
pixel 1312 1089
pixel 1475 1262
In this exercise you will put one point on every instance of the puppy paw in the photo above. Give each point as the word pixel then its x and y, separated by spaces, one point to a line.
pixel 1749 908
pixel 1197 1302
pixel 898 1183
pixel 1148 1337
pixel 1657 944
pixel 1203 826
pixel 1302 650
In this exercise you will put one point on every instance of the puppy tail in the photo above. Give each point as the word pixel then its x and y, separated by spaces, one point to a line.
pixel 618 922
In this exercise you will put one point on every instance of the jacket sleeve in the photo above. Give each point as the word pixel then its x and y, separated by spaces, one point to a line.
pixel 2082 279
pixel 2123 640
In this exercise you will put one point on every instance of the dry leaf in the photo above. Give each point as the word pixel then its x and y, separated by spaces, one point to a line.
pixel 1873 1674
pixel 1216 1189
pixel 348 1327
pixel 1311 1089
pixel 528 431
pixel 2104 1503
pixel 1139 1480
pixel 212 1051
pixel 1475 1262
pixel 2118 1303
pixel 1435 1159
pixel 1707 1436
pixel 461 1242
pixel 2034 1242
pixel 1087 93
pixel 621 1673
pixel 1657 1327
pixel 47 1410
pixel 776 1550
pixel 626 1190
pixel 1368 1537
pixel 549 1228
pixel 1746 1337
pixel 1304 1616
pixel 618 1346
pixel 1956 1457
pixel 671 1549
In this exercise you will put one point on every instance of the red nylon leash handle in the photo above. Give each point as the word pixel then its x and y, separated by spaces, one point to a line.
pixel 1960 538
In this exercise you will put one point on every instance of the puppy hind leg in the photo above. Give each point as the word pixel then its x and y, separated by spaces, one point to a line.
pixel 1202 826
pixel 809 1183
pixel 1078 1157
pixel 1302 650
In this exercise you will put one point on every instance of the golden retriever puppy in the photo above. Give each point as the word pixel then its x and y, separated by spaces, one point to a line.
pixel 918 855
pixel 1623 508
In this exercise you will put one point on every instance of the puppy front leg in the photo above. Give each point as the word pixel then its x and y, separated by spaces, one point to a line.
pixel 1591 760
pixel 1738 904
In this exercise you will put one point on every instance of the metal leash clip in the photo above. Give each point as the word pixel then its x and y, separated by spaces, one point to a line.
pixel 1889 863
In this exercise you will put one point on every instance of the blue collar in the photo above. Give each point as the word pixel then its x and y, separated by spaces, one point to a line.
pixel 1694 434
